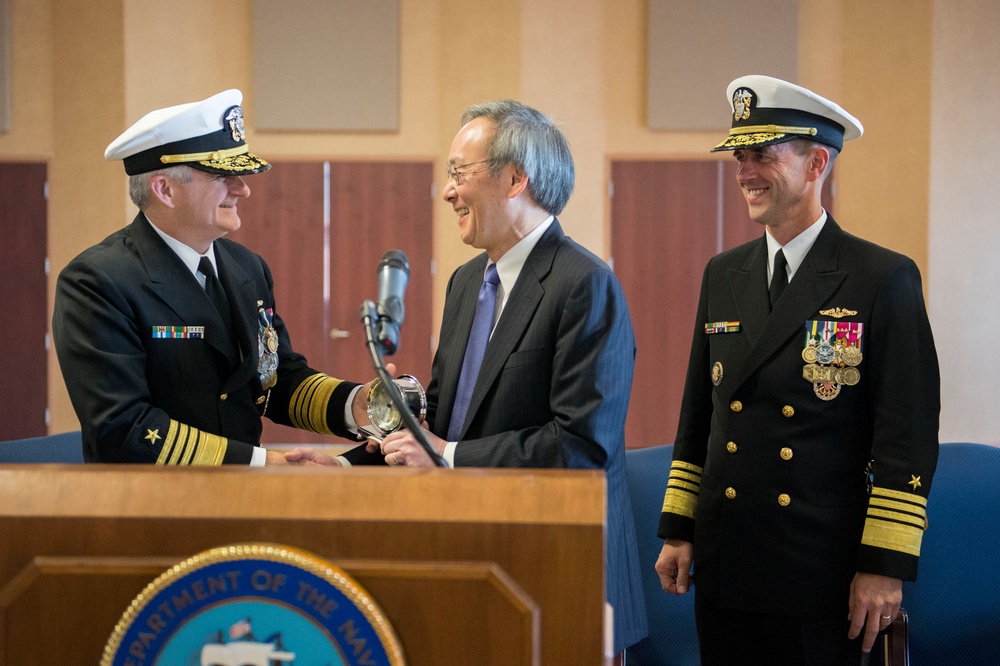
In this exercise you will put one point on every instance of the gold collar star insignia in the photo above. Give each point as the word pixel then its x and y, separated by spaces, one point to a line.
pixel 152 435
pixel 914 481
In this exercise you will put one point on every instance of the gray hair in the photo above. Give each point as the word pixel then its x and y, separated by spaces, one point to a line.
pixel 138 185
pixel 530 141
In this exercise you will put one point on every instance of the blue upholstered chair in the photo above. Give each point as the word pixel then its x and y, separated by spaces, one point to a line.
pixel 672 639
pixel 954 606
pixel 66 447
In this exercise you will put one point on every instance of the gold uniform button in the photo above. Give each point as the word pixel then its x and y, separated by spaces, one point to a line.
pixel 260 400
pixel 731 447
pixel 784 500
pixel 786 453
pixel 731 492
pixel 223 396
pixel 736 406
pixel 788 411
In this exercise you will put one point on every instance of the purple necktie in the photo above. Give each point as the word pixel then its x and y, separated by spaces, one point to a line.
pixel 482 325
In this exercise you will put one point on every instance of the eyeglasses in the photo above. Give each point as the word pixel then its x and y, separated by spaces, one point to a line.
pixel 455 175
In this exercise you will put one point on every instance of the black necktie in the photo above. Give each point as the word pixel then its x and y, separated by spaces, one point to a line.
pixel 779 278
pixel 215 292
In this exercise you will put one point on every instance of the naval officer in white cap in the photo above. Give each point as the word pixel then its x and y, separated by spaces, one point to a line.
pixel 166 332
pixel 808 432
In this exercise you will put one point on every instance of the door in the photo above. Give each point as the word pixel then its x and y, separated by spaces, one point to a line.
pixel 23 278
pixel 665 222
pixel 323 227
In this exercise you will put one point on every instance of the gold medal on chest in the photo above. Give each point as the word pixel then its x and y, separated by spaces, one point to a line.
pixel 826 391
pixel 717 373
pixel 851 356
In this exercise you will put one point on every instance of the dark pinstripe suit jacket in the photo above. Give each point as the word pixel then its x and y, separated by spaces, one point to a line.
pixel 553 390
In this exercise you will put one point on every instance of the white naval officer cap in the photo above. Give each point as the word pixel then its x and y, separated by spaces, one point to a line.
pixel 767 110
pixel 207 135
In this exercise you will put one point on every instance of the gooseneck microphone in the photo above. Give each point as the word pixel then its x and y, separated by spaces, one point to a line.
pixel 393 274
pixel 381 324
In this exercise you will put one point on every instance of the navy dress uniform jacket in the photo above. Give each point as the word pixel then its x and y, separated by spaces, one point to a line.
pixel 770 482
pixel 178 400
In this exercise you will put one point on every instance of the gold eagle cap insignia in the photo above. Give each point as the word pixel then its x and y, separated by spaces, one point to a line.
pixel 742 99
pixel 837 313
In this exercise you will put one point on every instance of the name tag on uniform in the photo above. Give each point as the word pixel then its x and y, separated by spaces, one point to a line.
pixel 713 327
pixel 176 332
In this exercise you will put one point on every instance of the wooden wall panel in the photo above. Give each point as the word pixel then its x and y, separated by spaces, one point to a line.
pixel 375 207
pixel 23 253
pixel 283 221
pixel 323 228
pixel 664 227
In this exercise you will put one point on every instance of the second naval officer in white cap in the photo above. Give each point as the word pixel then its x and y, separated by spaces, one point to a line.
pixel 808 432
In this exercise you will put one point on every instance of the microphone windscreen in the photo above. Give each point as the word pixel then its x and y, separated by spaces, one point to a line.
pixel 395 259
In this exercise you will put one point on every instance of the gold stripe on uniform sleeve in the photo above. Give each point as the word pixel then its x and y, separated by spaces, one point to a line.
pixel 211 450
pixel 185 445
pixel 181 444
pixel 895 521
pixel 194 436
pixel 168 444
pixel 308 407
pixel 683 487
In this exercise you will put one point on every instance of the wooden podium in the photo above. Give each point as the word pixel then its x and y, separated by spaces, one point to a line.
pixel 470 566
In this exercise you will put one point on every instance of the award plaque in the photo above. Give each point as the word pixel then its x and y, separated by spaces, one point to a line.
pixel 382 413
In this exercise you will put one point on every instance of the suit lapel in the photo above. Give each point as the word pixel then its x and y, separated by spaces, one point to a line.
pixel 749 287
pixel 464 292
pixel 243 300
pixel 177 287
pixel 814 282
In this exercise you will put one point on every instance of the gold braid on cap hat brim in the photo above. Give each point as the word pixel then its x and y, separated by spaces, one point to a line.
pixel 750 135
pixel 212 156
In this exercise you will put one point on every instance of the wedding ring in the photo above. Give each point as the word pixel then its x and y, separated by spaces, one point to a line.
pixel 395 457
pixel 886 617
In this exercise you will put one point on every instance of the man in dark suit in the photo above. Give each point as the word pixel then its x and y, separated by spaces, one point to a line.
pixel 808 429
pixel 167 334
pixel 553 386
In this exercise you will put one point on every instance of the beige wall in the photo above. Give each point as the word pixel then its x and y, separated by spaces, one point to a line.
pixel 884 177
pixel 30 138
pixel 87 90
pixel 84 72
pixel 964 272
